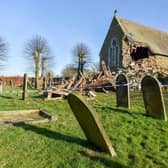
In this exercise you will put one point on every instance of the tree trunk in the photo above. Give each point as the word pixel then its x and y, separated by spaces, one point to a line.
pixel 82 65
pixel 42 68
pixel 44 83
pixel 36 76
pixel 37 61
pixel 79 68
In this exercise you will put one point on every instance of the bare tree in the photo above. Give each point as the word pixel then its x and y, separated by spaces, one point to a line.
pixel 3 52
pixel 81 53
pixel 49 77
pixel 69 71
pixel 37 51
pixel 95 67
pixel 46 64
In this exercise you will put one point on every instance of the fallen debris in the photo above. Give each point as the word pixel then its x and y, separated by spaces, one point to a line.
pixel 55 93
pixel 104 80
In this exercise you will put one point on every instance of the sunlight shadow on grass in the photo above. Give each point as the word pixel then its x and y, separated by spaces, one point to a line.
pixel 6 97
pixel 39 96
pixel 123 111
pixel 108 162
pixel 117 110
pixel 54 135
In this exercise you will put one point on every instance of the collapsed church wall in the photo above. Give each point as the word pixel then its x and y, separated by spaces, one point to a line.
pixel 126 52
pixel 162 62
pixel 138 47
pixel 134 51
pixel 147 66
pixel 138 61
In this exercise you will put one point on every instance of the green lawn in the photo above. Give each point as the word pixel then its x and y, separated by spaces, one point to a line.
pixel 139 141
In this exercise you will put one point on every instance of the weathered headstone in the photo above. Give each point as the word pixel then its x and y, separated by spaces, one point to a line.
pixel 122 91
pixel 153 98
pixel 90 123
pixel 24 95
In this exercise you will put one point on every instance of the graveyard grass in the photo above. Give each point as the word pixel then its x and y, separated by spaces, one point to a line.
pixel 139 141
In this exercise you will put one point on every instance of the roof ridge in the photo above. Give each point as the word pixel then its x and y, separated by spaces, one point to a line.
pixel 156 39
pixel 119 22
pixel 146 26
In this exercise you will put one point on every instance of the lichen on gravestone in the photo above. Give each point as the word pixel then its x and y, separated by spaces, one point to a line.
pixel 153 98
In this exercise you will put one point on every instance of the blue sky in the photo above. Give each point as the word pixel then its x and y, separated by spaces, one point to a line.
pixel 64 23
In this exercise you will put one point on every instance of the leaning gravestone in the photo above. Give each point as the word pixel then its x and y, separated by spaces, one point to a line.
pixel 90 123
pixel 153 98
pixel 122 91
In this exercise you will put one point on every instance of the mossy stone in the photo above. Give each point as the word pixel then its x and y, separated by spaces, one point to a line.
pixel 90 123
pixel 122 91
pixel 153 98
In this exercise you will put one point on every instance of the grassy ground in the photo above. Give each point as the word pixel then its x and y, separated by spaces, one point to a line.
pixel 139 141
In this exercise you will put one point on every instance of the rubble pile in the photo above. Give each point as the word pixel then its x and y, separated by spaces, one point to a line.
pixel 105 80
pixel 135 72
pixel 98 81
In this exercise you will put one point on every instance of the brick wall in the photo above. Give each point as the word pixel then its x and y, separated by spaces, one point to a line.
pixel 12 81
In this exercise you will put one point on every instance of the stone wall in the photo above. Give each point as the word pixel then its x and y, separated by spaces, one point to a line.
pixel 114 31
pixel 126 52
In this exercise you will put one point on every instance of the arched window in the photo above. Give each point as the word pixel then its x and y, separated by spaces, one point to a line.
pixel 114 54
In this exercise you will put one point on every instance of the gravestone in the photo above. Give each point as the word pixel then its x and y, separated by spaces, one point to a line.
pixel 24 95
pixel 153 98
pixel 90 123
pixel 122 91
